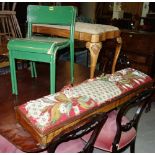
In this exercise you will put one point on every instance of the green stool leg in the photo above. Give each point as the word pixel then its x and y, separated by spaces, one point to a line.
pixel 13 74
pixel 33 69
pixel 72 62
pixel 52 75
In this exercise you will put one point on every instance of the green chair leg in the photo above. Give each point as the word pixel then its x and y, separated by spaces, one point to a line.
pixel 72 62
pixel 52 76
pixel 13 75
pixel 33 69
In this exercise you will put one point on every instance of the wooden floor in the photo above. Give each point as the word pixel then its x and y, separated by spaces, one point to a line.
pixel 29 89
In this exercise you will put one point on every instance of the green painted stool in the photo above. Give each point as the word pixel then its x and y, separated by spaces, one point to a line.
pixel 42 48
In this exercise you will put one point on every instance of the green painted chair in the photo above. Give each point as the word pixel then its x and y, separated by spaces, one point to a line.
pixel 42 48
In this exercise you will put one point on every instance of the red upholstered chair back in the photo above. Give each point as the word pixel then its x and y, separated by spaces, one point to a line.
pixel 141 101
pixel 119 132
pixel 69 141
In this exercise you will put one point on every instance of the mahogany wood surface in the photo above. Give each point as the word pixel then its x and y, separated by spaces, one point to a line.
pixel 141 57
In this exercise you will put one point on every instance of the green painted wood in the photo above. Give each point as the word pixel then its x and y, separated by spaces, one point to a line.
pixel 41 48
pixel 50 14
pixel 52 75
pixel 13 75
pixel 39 57
pixel 33 69
pixel 37 45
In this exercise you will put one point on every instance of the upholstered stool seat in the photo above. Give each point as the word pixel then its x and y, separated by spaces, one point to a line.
pixel 94 28
pixel 45 115
pixel 87 28
pixel 108 132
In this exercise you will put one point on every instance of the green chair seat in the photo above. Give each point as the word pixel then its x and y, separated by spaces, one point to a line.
pixel 37 44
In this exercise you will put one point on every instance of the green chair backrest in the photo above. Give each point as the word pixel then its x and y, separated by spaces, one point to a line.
pixel 55 15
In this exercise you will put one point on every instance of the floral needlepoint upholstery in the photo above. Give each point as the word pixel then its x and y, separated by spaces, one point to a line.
pixel 106 87
pixel 51 111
